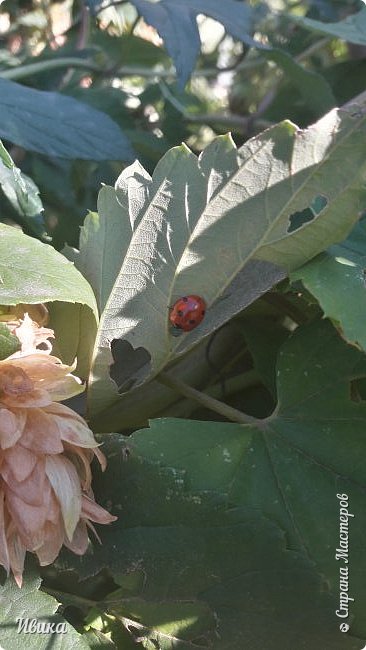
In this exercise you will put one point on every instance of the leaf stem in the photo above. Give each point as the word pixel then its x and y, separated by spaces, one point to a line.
pixel 22 71
pixel 41 66
pixel 205 400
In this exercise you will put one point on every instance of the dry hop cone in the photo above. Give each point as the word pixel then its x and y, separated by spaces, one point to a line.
pixel 45 454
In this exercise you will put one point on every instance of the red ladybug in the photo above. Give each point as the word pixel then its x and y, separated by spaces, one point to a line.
pixel 187 313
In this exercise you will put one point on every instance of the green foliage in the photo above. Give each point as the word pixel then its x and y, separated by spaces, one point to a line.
pixel 352 29
pixel 229 443
pixel 220 514
pixel 256 237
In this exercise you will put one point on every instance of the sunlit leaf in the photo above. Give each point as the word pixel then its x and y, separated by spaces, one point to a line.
pixel 227 227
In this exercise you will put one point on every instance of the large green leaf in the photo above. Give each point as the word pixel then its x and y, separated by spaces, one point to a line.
pixel 337 280
pixel 226 226
pixel 244 519
pixel 352 29
pixel 32 604
pixel 193 572
pixel 33 272
pixel 56 125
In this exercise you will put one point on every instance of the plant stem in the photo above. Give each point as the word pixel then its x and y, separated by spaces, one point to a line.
pixel 41 66
pixel 205 400
pixel 315 47
pixel 234 384
pixel 22 71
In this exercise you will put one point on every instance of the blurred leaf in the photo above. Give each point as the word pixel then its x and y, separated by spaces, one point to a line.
pixel 241 204
pixel 177 104
pixel 336 279
pixel 112 101
pixel 130 50
pixel 177 26
pixel 346 79
pixel 29 603
pixel 352 29
pixel 21 192
pixel 314 89
pixel 108 100
pixel 56 125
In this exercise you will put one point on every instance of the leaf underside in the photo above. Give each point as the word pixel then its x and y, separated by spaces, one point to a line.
pixel 225 226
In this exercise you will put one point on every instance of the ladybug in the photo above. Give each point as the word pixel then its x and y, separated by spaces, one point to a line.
pixel 187 313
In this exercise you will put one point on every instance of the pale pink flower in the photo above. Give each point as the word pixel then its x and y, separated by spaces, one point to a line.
pixel 46 450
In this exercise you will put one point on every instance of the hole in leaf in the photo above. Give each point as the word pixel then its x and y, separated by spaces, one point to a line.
pixel 298 219
pixel 128 363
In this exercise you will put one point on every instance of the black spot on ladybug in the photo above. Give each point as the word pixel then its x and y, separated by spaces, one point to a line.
pixel 187 312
